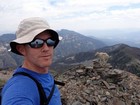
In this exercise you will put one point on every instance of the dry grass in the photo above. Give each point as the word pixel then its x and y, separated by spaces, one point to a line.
pixel 4 76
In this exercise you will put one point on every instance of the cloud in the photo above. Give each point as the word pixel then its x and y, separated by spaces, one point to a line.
pixel 72 14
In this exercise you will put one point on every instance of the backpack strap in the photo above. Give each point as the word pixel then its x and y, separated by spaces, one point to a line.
pixel 59 83
pixel 43 99
pixel 0 94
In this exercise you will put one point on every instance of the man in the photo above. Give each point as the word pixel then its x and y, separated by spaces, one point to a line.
pixel 35 42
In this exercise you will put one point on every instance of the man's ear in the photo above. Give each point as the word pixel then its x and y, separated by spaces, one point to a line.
pixel 21 49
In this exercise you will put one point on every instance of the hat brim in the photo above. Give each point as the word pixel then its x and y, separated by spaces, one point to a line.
pixel 29 37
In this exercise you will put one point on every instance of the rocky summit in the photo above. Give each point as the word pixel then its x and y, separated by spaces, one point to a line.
pixel 99 85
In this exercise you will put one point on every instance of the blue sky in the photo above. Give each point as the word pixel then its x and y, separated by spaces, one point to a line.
pixel 77 15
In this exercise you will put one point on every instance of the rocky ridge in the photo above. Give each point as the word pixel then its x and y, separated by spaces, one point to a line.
pixel 96 85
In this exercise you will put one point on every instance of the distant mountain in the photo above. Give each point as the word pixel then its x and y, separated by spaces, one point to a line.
pixel 112 37
pixel 126 58
pixel 7 37
pixel 6 60
pixel 76 48
pixel 72 43
pixel 122 57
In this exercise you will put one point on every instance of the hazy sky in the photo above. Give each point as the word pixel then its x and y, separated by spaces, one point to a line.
pixel 77 15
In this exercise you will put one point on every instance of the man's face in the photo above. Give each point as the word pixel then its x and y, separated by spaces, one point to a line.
pixel 39 57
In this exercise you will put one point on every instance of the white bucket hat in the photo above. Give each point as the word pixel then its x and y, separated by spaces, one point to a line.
pixel 28 29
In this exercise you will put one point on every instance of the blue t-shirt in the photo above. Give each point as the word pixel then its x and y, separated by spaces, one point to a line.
pixel 21 90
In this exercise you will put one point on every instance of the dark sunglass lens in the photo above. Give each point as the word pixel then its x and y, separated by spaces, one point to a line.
pixel 37 43
pixel 50 42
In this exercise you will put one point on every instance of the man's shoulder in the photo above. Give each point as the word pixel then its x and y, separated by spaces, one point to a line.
pixel 20 83
pixel 19 87
pixel 20 79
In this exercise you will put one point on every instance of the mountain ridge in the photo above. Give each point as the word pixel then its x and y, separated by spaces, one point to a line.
pixel 122 56
pixel 76 48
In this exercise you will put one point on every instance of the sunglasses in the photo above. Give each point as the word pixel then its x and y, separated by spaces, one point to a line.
pixel 38 43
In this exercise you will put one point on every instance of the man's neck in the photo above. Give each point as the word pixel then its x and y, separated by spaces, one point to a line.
pixel 41 70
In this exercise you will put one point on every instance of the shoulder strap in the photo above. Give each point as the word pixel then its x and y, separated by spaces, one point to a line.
pixel 43 99
pixel 0 94
pixel 59 83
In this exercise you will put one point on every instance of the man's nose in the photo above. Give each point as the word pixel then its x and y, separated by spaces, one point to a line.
pixel 45 46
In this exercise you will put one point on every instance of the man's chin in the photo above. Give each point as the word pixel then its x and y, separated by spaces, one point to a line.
pixel 47 64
